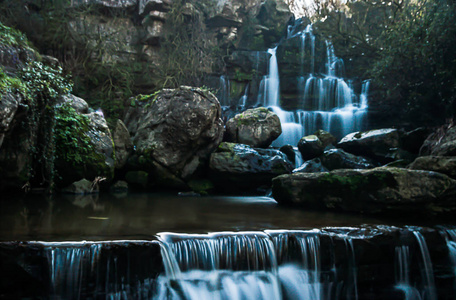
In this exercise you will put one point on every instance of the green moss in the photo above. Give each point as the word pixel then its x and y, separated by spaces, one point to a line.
pixel 10 84
pixel 353 183
pixel 242 76
pixel 13 37
pixel 201 186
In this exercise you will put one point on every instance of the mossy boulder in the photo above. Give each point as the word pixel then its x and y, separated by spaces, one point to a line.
pixel 325 137
pixel 379 190
pixel 257 127
pixel 175 129
pixel 238 166
pixel 442 142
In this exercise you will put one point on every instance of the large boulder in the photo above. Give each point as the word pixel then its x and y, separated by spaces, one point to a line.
pixel 310 147
pixel 441 164
pixel 84 145
pixel 379 144
pixel 177 129
pixel 379 190
pixel 257 127
pixel 441 143
pixel 334 159
pixel 240 166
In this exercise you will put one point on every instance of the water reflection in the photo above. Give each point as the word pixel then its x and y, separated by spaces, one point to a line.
pixel 133 216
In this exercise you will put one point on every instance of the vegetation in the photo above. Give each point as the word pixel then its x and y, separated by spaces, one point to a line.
pixel 407 47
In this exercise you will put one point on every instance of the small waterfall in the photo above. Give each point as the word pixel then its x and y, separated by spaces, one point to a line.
pixel 244 98
pixel 403 274
pixel 272 81
pixel 426 270
pixel 224 91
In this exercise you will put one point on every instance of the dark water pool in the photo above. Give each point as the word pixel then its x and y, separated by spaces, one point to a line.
pixel 142 215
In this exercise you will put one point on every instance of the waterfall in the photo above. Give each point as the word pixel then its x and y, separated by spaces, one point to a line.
pixel 326 101
pixel 326 264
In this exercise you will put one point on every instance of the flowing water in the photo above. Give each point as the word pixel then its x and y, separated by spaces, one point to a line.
pixel 129 247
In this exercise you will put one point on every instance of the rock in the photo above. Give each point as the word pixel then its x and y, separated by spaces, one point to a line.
pixel 441 143
pixel 310 147
pixel 148 6
pixel 139 178
pixel 8 107
pixel 378 144
pixel 122 144
pixel 177 129
pixel 106 3
pixel 441 164
pixel 325 137
pixel 84 162
pixel 339 159
pixel 257 127
pixel 289 151
pixel 240 166
pixel 81 187
pixel 79 104
pixel 119 187
pixel 379 190
pixel 311 166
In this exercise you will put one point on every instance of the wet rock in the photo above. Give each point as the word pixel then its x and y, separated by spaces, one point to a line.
pixel 441 143
pixel 237 165
pixel 378 144
pixel 289 151
pixel 311 166
pixel 176 129
pixel 310 147
pixel 325 137
pixel 441 164
pixel 379 190
pixel 81 187
pixel 122 144
pixel 339 159
pixel 257 127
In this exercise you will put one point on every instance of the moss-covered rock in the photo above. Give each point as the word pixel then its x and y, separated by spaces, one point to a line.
pixel 257 127
pixel 379 190
pixel 442 164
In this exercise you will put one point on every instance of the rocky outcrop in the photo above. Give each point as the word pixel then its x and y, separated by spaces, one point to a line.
pixel 310 147
pixel 442 164
pixel 334 159
pixel 379 190
pixel 79 104
pixel 379 144
pixel 257 127
pixel 122 144
pixel 240 166
pixel 176 129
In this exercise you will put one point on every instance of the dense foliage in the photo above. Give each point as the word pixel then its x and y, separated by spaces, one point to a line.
pixel 407 47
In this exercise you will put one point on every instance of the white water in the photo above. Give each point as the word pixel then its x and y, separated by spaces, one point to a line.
pixel 326 101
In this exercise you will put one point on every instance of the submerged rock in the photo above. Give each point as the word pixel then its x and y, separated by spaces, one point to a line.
pixel 441 164
pixel 378 144
pixel 339 159
pixel 176 129
pixel 310 147
pixel 237 165
pixel 81 187
pixel 379 190
pixel 257 127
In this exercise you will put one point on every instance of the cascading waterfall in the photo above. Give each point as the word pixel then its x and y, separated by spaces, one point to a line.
pixel 326 100
pixel 274 264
